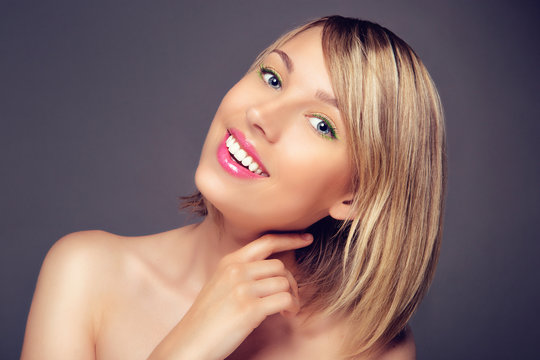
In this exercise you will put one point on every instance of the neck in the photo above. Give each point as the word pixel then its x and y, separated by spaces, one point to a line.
pixel 217 237
pixel 224 236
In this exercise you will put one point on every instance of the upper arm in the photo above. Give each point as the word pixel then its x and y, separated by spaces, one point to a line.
pixel 62 319
pixel 402 347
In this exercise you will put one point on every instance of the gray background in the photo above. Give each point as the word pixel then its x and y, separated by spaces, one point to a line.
pixel 104 107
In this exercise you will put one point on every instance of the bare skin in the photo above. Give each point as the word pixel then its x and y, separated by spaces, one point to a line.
pixel 225 288
pixel 102 296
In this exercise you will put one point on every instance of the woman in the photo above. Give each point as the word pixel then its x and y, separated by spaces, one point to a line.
pixel 323 166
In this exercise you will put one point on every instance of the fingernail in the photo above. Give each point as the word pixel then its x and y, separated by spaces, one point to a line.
pixel 307 236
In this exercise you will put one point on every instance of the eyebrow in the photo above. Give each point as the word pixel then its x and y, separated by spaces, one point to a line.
pixel 325 97
pixel 320 94
pixel 286 59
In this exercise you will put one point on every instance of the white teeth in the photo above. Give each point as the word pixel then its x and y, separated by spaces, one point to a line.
pixel 253 166
pixel 247 161
pixel 242 156
pixel 234 148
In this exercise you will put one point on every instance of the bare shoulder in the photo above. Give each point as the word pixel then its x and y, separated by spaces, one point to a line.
pixel 62 316
pixel 402 347
pixel 81 256
pixel 103 250
pixel 102 258
pixel 75 280
pixel 77 248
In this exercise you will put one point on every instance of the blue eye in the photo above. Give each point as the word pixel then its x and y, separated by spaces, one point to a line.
pixel 323 126
pixel 270 77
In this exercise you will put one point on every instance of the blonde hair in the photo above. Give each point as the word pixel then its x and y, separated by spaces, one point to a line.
pixel 376 266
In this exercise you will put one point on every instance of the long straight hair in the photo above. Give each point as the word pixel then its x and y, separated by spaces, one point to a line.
pixel 375 267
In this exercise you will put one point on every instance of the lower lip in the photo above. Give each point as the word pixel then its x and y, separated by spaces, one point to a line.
pixel 231 166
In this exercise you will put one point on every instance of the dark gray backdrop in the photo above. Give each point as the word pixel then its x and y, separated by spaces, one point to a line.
pixel 104 107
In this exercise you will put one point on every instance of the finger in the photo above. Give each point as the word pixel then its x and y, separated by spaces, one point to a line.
pixel 293 288
pixel 288 314
pixel 292 284
pixel 269 286
pixel 265 268
pixel 279 302
pixel 269 244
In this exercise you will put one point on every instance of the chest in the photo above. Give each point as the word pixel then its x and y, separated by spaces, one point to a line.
pixel 134 321
pixel 274 340
pixel 132 329
pixel 141 309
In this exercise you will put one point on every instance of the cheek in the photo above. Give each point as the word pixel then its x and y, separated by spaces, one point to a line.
pixel 235 99
pixel 310 186
pixel 316 166
pixel 321 185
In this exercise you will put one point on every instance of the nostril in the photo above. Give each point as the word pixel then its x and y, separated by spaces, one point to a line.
pixel 259 128
pixel 255 120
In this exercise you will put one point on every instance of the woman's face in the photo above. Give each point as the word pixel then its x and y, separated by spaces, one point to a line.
pixel 283 116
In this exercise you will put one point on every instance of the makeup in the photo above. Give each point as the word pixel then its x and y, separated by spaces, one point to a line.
pixel 323 126
pixel 238 157
pixel 270 77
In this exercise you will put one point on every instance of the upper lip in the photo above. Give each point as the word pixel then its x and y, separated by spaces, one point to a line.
pixel 247 146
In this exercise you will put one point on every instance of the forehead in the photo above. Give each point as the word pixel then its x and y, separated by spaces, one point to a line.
pixel 306 45
pixel 307 57
pixel 308 37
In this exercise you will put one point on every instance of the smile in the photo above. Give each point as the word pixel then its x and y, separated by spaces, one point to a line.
pixel 238 157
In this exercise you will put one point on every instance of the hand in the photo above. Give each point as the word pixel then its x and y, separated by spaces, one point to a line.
pixel 246 288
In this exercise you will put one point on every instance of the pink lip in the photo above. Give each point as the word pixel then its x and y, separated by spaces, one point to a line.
pixel 230 165
pixel 244 144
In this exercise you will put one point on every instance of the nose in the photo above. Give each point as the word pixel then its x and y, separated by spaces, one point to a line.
pixel 263 120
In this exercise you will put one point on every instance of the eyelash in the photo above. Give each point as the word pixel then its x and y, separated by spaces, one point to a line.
pixel 264 70
pixel 332 135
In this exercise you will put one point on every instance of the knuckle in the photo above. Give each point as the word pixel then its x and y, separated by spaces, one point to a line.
pixel 240 291
pixel 256 313
pixel 233 271
pixel 251 308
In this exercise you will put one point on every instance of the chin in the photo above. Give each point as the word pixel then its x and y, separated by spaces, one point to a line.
pixel 216 194
pixel 248 217
pixel 232 199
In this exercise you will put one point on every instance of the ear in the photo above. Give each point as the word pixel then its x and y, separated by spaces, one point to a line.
pixel 340 210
